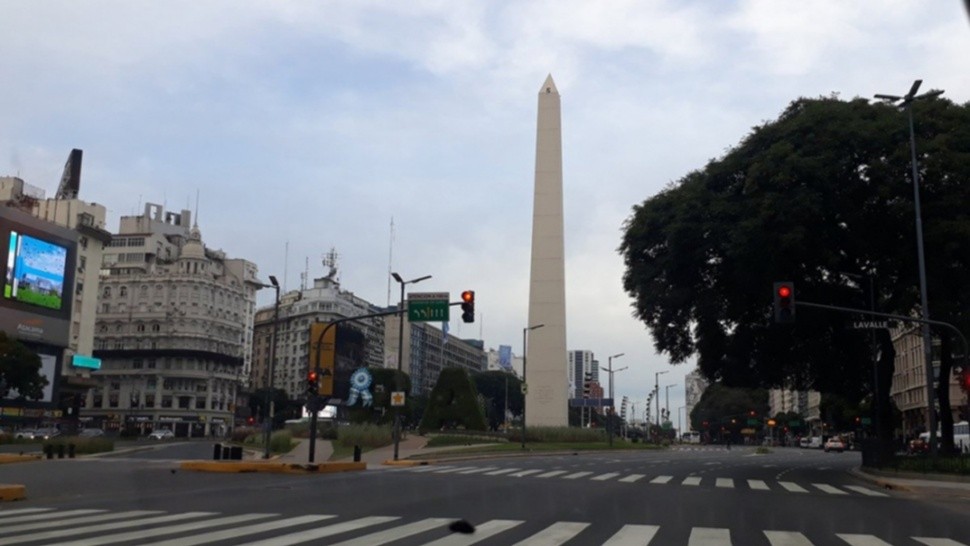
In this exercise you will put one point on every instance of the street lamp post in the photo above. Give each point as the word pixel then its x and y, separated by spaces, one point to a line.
pixel 270 369
pixel 400 355
pixel 656 390
pixel 525 349
pixel 609 418
pixel 667 397
pixel 906 102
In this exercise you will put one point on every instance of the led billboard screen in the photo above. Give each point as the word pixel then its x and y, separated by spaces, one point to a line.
pixel 35 271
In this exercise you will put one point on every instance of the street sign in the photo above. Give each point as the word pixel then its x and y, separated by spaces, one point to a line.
pixel 397 398
pixel 866 421
pixel 795 423
pixel 428 307
pixel 872 324
pixel 753 422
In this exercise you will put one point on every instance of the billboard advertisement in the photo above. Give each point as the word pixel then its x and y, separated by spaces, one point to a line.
pixel 37 269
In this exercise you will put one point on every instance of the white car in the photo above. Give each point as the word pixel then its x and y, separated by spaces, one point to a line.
pixel 25 434
pixel 162 434
pixel 834 444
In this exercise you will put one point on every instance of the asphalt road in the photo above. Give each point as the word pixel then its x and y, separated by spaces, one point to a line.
pixel 790 497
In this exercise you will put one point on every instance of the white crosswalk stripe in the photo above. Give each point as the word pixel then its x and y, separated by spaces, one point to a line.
pixel 793 487
pixel 427 468
pixel 866 491
pixel 477 470
pixel 47 523
pixel 524 473
pixel 632 478
pixel 198 528
pixel 604 477
pixel 576 475
pixel 552 474
pixel 829 489
pixel 758 485
pixel 661 479
pixel 502 471
pixel 724 482
pixel 454 469
pixel 44 517
pixel 691 480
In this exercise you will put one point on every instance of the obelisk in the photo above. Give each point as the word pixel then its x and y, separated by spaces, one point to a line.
pixel 546 376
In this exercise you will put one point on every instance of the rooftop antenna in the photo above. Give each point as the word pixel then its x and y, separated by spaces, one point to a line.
pixel 330 261
pixel 305 274
pixel 286 262
pixel 196 214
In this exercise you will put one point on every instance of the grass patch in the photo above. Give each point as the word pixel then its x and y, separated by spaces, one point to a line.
pixel 366 436
pixel 447 440
pixel 516 447
pixel 959 465
pixel 762 450
pixel 82 446
pixel 559 435
pixel 281 441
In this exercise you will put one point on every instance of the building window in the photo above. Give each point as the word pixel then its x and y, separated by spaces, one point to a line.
pixel 106 293
pixel 184 402
pixel 200 403
pixel 166 401
pixel 149 400
pixel 140 327
pixel 113 401
pixel 123 291
pixel 105 308
pixel 137 364
pixel 151 363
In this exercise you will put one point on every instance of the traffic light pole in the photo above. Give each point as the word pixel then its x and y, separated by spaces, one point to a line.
pixel 963 340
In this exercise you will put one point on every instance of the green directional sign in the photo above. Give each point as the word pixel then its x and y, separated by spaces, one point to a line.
pixel 795 423
pixel 428 307
pixel 753 422
pixel 867 421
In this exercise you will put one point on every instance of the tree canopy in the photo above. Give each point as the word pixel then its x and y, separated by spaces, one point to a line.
pixel 823 197
pixel 19 370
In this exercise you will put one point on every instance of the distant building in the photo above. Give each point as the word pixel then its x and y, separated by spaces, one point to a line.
pixel 493 359
pixel 67 362
pixel 427 352
pixel 694 386
pixel 579 363
pixel 174 329
pixel 325 301
pixel 909 380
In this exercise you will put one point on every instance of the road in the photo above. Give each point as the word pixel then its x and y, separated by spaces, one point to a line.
pixel 790 497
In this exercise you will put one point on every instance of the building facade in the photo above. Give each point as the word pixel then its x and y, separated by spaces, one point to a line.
pixel 694 386
pixel 909 381
pixel 85 224
pixel 325 301
pixel 579 363
pixel 173 331
pixel 428 350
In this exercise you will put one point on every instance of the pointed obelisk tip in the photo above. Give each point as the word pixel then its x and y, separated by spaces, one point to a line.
pixel 549 86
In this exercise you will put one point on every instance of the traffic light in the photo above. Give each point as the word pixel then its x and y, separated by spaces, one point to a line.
pixel 468 306
pixel 784 302
pixel 965 379
pixel 312 384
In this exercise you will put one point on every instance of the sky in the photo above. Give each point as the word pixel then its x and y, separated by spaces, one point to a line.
pixel 306 126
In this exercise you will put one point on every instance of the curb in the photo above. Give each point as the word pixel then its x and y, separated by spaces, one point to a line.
pixel 12 458
pixel 885 484
pixel 239 467
pixel 11 492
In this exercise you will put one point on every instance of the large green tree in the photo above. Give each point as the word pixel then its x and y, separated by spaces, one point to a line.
pixel 822 196
pixel 19 370
pixel 499 390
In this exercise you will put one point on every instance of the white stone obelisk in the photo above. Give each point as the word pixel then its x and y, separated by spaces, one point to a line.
pixel 547 396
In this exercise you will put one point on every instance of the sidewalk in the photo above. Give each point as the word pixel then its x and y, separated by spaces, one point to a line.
pixel 412 445
pixel 909 482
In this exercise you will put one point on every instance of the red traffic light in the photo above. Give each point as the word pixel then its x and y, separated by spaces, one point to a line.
pixel 312 377
pixel 468 306
pixel 468 296
pixel 784 291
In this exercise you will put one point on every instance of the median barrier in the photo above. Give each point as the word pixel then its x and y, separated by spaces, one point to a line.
pixel 12 492
pixel 242 467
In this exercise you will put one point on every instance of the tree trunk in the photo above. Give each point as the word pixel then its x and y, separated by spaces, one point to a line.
pixel 883 405
pixel 943 392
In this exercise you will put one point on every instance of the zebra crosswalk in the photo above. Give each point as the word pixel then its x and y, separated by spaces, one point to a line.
pixel 93 527
pixel 658 480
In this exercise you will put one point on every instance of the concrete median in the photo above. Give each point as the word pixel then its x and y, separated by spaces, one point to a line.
pixel 16 458
pixel 12 492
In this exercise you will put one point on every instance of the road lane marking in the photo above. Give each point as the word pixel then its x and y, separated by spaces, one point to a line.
pixel 938 541
pixel 760 485
pixel 551 474
pixel 6 513
pixel 525 473
pixel 724 482
pixel 661 479
pixel 104 527
pixel 503 471
pixel 829 489
pixel 483 531
pixel 429 468
pixel 866 491
pixel 708 536
pixel 691 480
pixel 793 487
pixel 576 475
pixel 555 534
pixel 83 520
pixel 786 538
pixel 455 469
pixel 604 477
pixel 298 537
pixel 387 535
pixel 45 517
pixel 477 470
pixel 633 535
pixel 141 534
pixel 863 540
pixel 632 478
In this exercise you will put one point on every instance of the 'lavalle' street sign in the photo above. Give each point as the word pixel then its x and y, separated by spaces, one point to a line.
pixel 428 307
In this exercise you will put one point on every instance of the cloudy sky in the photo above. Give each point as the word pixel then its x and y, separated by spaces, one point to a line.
pixel 313 124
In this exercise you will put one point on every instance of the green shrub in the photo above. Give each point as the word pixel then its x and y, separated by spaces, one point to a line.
pixel 281 441
pixel 558 434
pixel 365 436
pixel 443 440
pixel 239 434
pixel 762 450
pixel 943 464
pixel 82 446
pixel 453 403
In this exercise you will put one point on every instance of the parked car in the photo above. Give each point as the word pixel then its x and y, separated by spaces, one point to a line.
pixel 91 433
pixel 46 433
pixel 161 434
pixel 918 446
pixel 834 444
pixel 25 434
pixel 815 442
pixel 803 442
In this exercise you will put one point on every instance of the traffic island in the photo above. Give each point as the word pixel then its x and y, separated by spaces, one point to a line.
pixel 16 458
pixel 12 492
pixel 240 467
